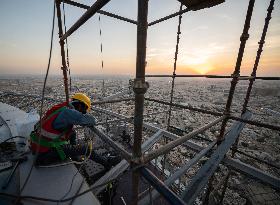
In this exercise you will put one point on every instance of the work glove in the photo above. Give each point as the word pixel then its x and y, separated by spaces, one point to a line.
pixel 90 119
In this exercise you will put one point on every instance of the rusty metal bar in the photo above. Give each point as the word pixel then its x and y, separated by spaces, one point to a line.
pixel 251 122
pixel 62 51
pixel 89 13
pixel 251 81
pixel 112 101
pixel 256 123
pixel 106 13
pixel 174 67
pixel 232 163
pixel 164 149
pixel 258 56
pixel 169 16
pixel 185 107
pixel 139 87
pixel 243 39
pixel 236 74
pixel 213 76
pixel 173 83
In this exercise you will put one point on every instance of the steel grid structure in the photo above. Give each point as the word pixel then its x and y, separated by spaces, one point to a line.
pixel 136 159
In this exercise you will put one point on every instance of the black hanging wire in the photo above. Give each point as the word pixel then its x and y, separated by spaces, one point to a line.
pixel 102 67
pixel 41 108
pixel 101 46
pixel 67 52
pixel 173 82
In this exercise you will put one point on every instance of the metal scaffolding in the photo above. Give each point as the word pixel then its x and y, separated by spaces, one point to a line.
pixel 137 159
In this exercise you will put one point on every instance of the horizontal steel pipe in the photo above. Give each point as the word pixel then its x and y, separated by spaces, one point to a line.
pixel 89 13
pixel 106 13
pixel 185 107
pixel 169 16
pixel 169 195
pixel 191 76
pixel 213 76
pixel 126 155
pixel 166 148
pixel 112 101
pixel 256 123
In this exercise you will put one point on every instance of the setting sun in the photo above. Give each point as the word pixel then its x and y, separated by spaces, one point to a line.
pixel 202 68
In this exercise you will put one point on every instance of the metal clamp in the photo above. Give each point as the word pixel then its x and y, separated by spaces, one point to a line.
pixel 140 86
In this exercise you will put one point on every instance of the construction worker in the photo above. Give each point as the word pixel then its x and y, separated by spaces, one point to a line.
pixel 57 129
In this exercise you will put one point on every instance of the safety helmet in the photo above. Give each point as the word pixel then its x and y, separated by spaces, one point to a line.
pixel 83 98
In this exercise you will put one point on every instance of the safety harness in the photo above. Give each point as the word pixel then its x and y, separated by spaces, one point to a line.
pixel 55 142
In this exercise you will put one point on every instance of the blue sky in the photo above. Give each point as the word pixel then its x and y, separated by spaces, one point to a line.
pixel 209 41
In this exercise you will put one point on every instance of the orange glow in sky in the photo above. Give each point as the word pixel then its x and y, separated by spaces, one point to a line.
pixel 209 40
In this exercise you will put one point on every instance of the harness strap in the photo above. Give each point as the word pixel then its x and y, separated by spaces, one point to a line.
pixel 49 117
pixel 56 143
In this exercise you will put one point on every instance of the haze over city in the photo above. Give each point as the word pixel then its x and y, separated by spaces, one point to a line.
pixel 209 41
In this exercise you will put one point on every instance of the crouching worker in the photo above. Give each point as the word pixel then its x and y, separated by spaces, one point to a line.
pixel 57 130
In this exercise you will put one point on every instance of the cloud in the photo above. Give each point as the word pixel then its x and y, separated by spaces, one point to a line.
pixel 154 52
pixel 225 17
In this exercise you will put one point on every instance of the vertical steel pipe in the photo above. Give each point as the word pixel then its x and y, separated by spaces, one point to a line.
pixel 250 86
pixel 174 67
pixel 259 52
pixel 62 51
pixel 243 39
pixel 140 87
pixel 172 86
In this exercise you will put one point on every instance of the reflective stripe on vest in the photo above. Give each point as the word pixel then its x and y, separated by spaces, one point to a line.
pixel 55 138
pixel 50 135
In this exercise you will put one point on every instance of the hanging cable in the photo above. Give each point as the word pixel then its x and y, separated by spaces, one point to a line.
pixel 41 107
pixel 67 52
pixel 74 176
pixel 101 45
pixel 175 66
pixel 173 82
pixel 102 67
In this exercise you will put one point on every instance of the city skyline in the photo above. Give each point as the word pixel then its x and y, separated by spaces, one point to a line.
pixel 208 45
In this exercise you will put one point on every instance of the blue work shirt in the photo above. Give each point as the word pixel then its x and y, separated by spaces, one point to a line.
pixel 69 117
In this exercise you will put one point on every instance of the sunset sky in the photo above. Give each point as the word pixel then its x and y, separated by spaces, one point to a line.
pixel 209 41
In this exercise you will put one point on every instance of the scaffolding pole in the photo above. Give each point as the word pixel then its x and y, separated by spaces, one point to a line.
pixel 86 16
pixel 62 50
pixel 139 87
pixel 188 107
pixel 243 39
pixel 106 13
pixel 166 148
pixel 249 89
pixel 214 76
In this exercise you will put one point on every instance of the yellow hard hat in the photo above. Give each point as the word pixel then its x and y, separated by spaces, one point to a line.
pixel 83 98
